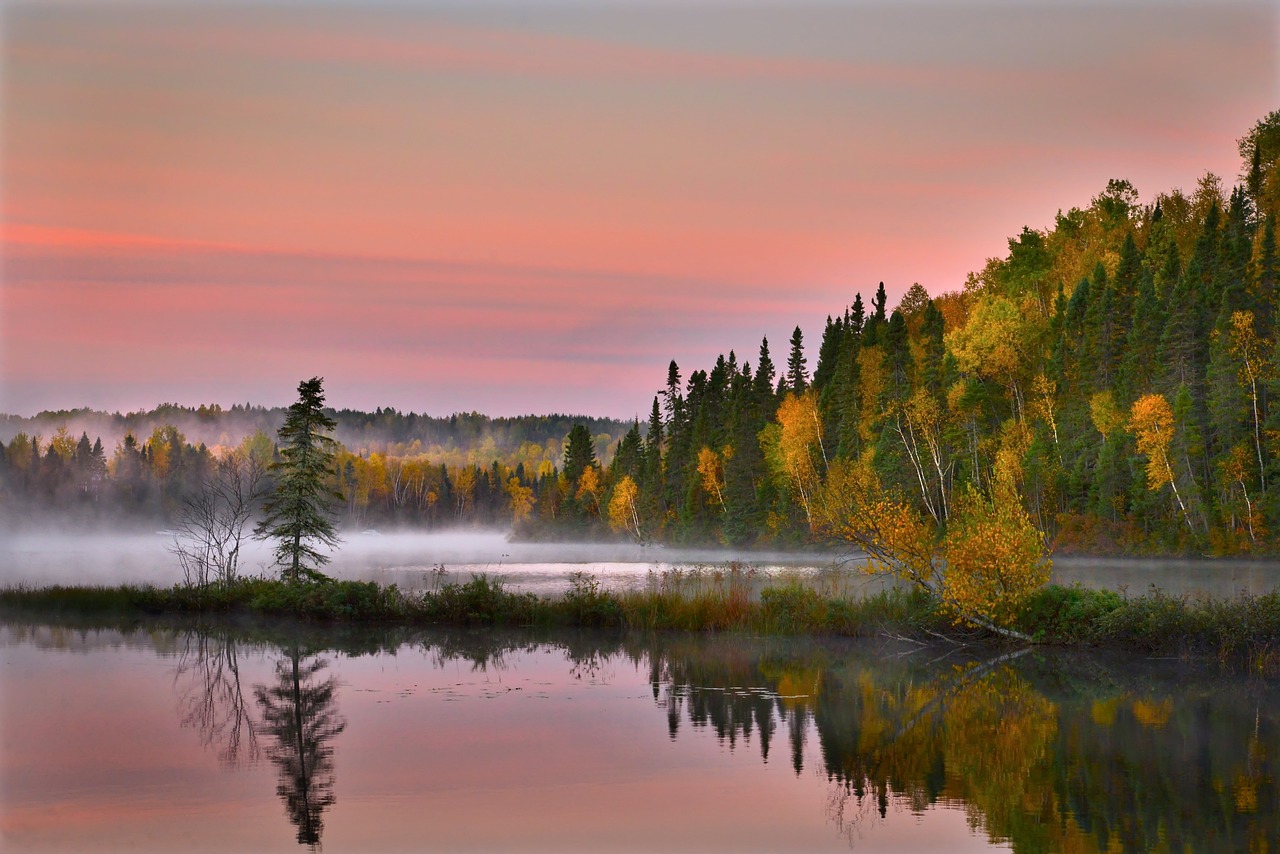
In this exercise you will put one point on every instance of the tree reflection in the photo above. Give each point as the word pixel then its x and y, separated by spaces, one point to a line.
pixel 300 715
pixel 1045 753
pixel 210 698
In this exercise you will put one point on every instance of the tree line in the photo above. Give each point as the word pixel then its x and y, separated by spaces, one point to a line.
pixel 1109 384
pixel 1114 375
pixel 486 476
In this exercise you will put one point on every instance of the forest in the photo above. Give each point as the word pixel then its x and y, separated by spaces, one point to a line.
pixel 1116 375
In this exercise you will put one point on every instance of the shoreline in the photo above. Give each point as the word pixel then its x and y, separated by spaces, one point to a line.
pixel 1244 630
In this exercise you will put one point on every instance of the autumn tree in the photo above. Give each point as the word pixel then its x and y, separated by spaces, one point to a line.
pixel 1249 352
pixel 711 469
pixel 624 514
pixel 521 498
pixel 794 448
pixel 1151 421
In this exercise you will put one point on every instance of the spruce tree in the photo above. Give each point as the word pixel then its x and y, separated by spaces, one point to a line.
pixel 579 453
pixel 762 387
pixel 298 513
pixel 797 375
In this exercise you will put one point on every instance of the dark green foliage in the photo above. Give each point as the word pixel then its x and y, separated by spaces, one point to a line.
pixel 299 509
pixel 587 604
pixel 797 373
pixel 1067 614
pixel 579 453
pixel 481 601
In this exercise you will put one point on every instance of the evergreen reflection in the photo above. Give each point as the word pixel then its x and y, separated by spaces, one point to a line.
pixel 1044 751
pixel 300 715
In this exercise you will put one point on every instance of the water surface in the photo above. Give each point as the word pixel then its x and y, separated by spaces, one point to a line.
pixel 414 561
pixel 179 737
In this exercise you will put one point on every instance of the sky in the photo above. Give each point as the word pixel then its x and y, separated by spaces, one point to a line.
pixel 525 207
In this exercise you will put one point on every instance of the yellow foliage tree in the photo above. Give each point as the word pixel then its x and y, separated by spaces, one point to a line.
pixel 919 424
pixel 1151 421
pixel 991 558
pixel 1234 471
pixel 623 513
pixel 997 342
pixel 521 500
pixel 62 444
pixel 589 489
pixel 711 468
pixel 995 556
pixel 1106 415
pixel 799 447
pixel 1250 351
pixel 872 379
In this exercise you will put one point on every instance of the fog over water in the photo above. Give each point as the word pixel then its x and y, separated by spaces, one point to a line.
pixel 407 559
pixel 43 557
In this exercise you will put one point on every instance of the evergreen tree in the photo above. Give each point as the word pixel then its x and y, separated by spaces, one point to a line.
pixel 879 304
pixel 762 386
pixel 579 453
pixel 797 375
pixel 298 511
pixel 828 353
pixel 857 316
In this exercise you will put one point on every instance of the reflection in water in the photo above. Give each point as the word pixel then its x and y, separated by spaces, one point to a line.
pixel 1046 754
pixel 1043 751
pixel 210 698
pixel 300 713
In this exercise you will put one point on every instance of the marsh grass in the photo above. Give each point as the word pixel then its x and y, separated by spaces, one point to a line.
pixel 729 598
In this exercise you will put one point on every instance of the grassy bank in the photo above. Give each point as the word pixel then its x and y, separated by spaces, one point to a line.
pixel 1245 628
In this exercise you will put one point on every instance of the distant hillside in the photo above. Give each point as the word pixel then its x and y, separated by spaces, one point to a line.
pixel 381 431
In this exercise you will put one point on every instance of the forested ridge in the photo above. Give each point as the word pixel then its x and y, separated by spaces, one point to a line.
pixel 1116 372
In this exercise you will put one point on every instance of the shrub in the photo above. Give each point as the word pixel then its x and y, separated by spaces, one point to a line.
pixel 1067 614
pixel 481 601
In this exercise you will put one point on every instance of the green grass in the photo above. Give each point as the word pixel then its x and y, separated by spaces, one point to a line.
pixel 690 600
pixel 727 599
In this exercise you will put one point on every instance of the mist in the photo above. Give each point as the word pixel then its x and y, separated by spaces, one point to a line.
pixel 38 557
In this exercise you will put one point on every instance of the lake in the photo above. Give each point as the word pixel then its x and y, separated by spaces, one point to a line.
pixel 168 737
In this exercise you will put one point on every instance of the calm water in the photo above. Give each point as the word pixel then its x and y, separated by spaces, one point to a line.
pixel 173 738
pixel 408 559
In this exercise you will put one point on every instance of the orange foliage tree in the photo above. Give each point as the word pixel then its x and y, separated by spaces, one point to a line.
pixel 1151 421
pixel 982 568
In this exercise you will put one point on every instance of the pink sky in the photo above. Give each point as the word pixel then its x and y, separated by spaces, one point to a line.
pixel 528 208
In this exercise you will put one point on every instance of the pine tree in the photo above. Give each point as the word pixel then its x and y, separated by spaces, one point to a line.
pixel 829 353
pixel 762 387
pixel 797 375
pixel 579 453
pixel 298 512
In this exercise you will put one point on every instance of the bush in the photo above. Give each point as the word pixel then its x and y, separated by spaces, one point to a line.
pixel 586 605
pixel 1067 614
pixel 334 600
pixel 481 601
